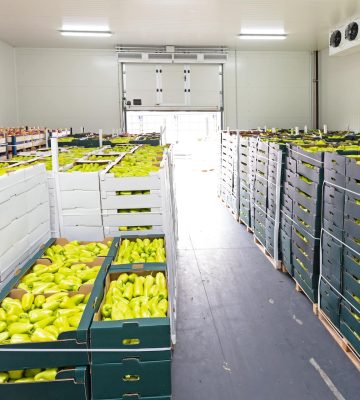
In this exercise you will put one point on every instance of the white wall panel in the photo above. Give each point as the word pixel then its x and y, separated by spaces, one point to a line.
pixel 340 91
pixel 272 89
pixel 64 87
pixel 8 107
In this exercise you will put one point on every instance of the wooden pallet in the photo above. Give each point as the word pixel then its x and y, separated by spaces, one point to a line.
pixel 275 264
pixel 340 339
pixel 315 306
pixel 248 229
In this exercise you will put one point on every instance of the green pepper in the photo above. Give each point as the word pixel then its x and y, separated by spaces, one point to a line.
pixel 154 291
pixel 19 338
pixel 56 297
pixel 16 374
pixel 24 287
pixel 71 283
pixel 2 314
pixel 132 277
pixel 78 267
pixel 42 287
pixel 129 314
pixel 23 317
pixel 53 268
pixel 4 377
pixel 12 308
pixel 40 335
pixel 128 292
pixel 74 321
pixel 52 329
pixel 77 299
pixel 47 375
pixel 58 277
pixel 158 314
pixel 136 311
pixel 3 326
pixel 27 301
pixel 39 301
pixel 24 380
pixel 138 287
pixel 66 312
pixel 11 318
pixel 54 305
pixel 4 336
pixel 124 277
pixel 118 311
pixel 38 315
pixel 47 277
pixel 163 306
pixel 106 310
pixel 30 373
pixel 40 269
pixel 87 297
pixel 144 311
pixel 44 322
pixel 62 324
pixel 163 293
pixel 19 327
pixel 160 280
pixel 117 294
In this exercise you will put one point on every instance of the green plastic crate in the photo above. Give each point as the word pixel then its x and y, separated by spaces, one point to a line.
pixel 150 333
pixel 131 376
pixel 70 384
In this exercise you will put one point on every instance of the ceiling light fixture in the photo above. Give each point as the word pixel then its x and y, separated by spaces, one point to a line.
pixel 64 32
pixel 262 36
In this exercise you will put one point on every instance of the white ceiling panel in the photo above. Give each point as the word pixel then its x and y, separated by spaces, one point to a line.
pixel 34 23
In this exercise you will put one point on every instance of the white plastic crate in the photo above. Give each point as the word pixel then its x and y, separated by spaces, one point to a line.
pixel 80 199
pixel 114 202
pixel 83 233
pixel 82 217
pixel 132 219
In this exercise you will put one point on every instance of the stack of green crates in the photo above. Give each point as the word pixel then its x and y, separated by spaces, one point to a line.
pixel 69 354
pixel 130 358
pixel 350 307
pixel 244 180
pixel 261 191
pixel 307 218
pixel 286 212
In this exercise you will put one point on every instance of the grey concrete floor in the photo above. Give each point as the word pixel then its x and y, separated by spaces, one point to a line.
pixel 243 332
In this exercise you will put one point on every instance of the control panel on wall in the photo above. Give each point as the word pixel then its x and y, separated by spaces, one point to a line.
pixel 147 86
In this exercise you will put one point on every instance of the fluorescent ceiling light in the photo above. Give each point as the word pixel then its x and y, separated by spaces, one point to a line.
pixel 262 36
pixel 85 33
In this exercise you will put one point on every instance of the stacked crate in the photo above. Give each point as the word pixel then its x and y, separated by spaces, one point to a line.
pixel 69 353
pixel 245 198
pixel 307 218
pixel 80 205
pixel 25 216
pixel 275 188
pixel 350 303
pixel 252 175
pixel 261 191
pixel 137 192
pixel 228 150
pixel 140 366
pixel 286 211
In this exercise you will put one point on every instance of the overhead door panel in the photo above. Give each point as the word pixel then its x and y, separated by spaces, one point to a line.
pixel 173 86
pixel 205 85
pixel 140 82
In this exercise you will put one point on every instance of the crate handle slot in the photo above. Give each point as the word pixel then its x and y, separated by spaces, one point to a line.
pixel 131 378
pixel 131 342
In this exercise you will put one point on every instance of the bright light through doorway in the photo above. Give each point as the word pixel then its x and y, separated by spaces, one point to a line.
pixel 193 134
